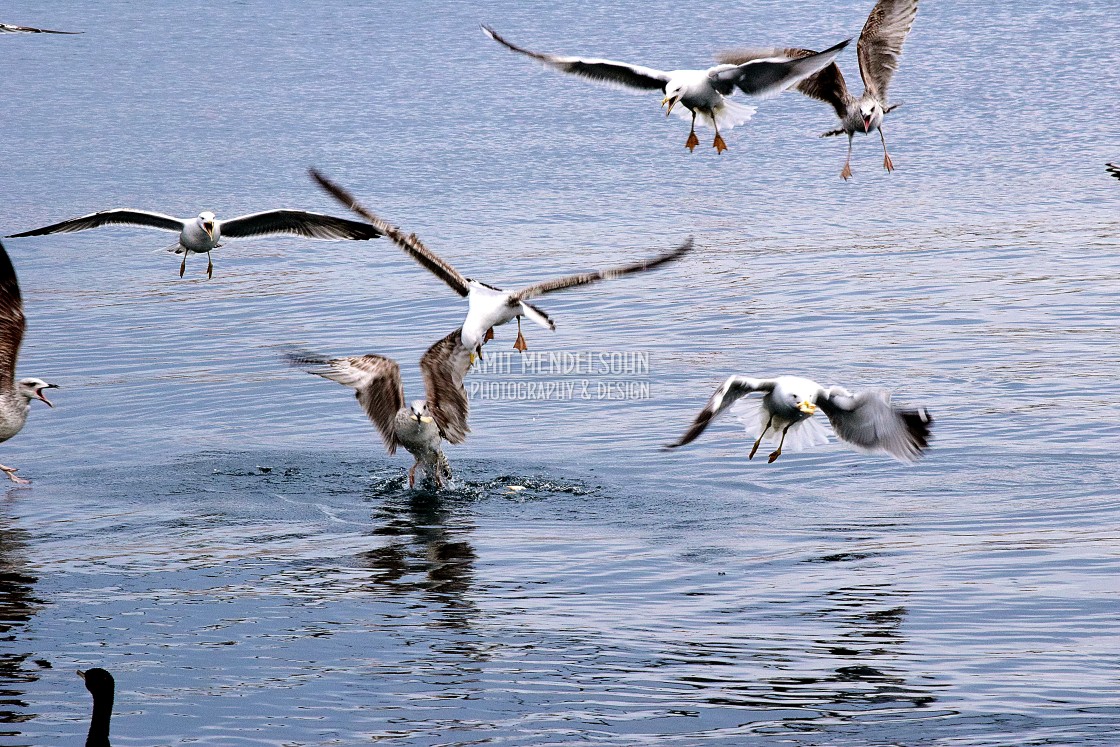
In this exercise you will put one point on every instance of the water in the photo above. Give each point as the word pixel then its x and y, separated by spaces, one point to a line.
pixel 226 537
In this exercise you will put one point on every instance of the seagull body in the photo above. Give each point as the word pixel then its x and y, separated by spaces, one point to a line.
pixel 5 27
pixel 203 234
pixel 420 426
pixel 701 93
pixel 15 396
pixel 878 49
pixel 487 305
pixel 866 420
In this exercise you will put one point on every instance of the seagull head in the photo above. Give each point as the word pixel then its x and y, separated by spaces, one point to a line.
pixel 800 395
pixel 673 94
pixel 418 411
pixel 33 389
pixel 870 114
pixel 206 218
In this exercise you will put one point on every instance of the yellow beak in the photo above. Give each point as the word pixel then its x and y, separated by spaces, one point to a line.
pixel 671 102
pixel 209 227
pixel 807 407
pixel 425 419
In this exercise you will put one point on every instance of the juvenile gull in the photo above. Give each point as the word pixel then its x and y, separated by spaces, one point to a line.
pixel 418 427
pixel 15 396
pixel 878 50
pixel 866 420
pixel 701 92
pixel 30 30
pixel 203 234
pixel 487 305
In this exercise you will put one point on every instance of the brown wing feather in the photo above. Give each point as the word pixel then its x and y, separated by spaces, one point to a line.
pixel 443 367
pixel 12 322
pixel 880 43
pixel 828 85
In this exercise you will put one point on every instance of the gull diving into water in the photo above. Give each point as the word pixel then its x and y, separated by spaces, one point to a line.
pixel 878 50
pixel 418 427
pixel 488 306
pixel 701 93
pixel 866 420
pixel 4 27
pixel 202 234
pixel 15 396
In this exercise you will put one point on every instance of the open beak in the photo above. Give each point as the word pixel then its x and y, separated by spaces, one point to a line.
pixel 807 407
pixel 867 124
pixel 671 102
pixel 39 394
pixel 209 230
pixel 425 419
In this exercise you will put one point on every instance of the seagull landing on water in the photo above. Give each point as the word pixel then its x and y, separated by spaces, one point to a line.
pixel 202 234
pixel 418 427
pixel 878 49
pixel 701 93
pixel 488 306
pixel 15 396
pixel 866 420
pixel 4 27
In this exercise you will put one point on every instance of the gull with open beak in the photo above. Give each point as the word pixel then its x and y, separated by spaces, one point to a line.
pixel 701 93
pixel 15 396
pixel 202 234
pixel 866 420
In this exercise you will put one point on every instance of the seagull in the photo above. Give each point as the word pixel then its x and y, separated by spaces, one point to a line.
pixel 878 49
pixel 700 92
pixel 4 27
pixel 487 305
pixel 15 396
pixel 866 420
pixel 202 234
pixel 1112 169
pixel 420 426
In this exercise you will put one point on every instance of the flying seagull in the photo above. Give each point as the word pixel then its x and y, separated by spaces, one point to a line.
pixel 15 396
pixel 202 234
pixel 702 93
pixel 1112 169
pixel 418 427
pixel 28 29
pixel 487 305
pixel 866 420
pixel 878 49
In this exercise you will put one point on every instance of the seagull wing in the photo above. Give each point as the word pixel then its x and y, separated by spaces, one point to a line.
pixel 587 278
pixel 770 76
pixel 880 43
pixel 124 216
pixel 868 421
pixel 618 74
pixel 828 85
pixel 31 30
pixel 731 390
pixel 297 223
pixel 411 243
pixel 377 381
pixel 12 322
pixel 443 367
pixel 1113 169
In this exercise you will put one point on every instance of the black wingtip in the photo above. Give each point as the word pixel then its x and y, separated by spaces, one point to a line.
pixel 919 425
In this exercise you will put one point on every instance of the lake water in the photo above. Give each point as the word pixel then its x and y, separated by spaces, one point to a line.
pixel 228 538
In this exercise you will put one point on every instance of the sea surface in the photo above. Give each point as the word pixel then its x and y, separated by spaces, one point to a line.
pixel 227 536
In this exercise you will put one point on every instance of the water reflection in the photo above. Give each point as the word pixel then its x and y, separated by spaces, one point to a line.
pixel 17 604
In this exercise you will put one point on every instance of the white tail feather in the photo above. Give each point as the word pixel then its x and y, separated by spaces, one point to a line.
pixel 728 115
pixel 808 433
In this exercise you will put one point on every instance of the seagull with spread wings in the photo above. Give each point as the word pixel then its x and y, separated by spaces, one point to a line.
pixel 202 234
pixel 6 27
pixel 15 396
pixel 866 420
pixel 878 49
pixel 701 93
pixel 488 306
pixel 420 426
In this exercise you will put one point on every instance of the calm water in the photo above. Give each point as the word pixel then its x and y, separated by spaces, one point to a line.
pixel 226 536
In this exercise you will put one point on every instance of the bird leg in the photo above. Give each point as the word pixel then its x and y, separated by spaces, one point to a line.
pixel 488 336
pixel 11 473
pixel 888 164
pixel 846 172
pixel 412 475
pixel 183 264
pixel 519 345
pixel 718 143
pixel 692 141
pixel 760 435
pixel 209 267
pixel 778 453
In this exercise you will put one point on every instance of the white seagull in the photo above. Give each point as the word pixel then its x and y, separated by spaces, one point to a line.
pixel 15 396
pixel 487 305
pixel 202 234
pixel 418 427
pixel 866 420
pixel 5 27
pixel 878 49
pixel 701 92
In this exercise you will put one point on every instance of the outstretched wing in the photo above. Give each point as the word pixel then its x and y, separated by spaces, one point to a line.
pixel 31 30
pixel 377 381
pixel 618 74
pixel 124 216
pixel 587 278
pixel 828 85
pixel 411 243
pixel 12 322
pixel 880 43
pixel 443 367
pixel 770 76
pixel 868 421
pixel 297 223
pixel 731 390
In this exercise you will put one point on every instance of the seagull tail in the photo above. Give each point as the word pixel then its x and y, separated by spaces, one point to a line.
pixel 729 115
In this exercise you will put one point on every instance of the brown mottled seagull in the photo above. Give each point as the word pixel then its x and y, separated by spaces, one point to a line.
pixel 878 50
pixel 702 93
pixel 418 427
pixel 15 396
pixel 866 420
